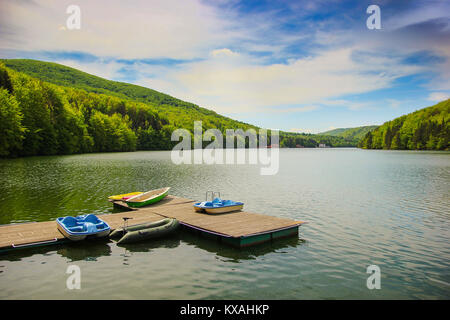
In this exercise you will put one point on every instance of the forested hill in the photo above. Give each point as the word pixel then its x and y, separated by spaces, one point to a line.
pixel 350 133
pixel 425 129
pixel 47 109
pixel 166 105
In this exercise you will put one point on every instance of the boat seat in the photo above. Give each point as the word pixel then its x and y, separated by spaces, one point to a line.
pixel 69 221
pixel 92 218
pixel 100 225
pixel 76 229
pixel 206 204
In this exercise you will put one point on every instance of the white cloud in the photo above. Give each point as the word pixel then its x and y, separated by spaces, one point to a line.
pixel 223 52
pixel 107 70
pixel 394 103
pixel 246 86
pixel 438 96
pixel 296 109
pixel 174 29
pixel 238 84
pixel 304 130
pixel 417 14
pixel 352 105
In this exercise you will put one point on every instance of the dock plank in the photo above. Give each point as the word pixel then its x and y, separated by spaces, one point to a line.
pixel 115 220
pixel 23 233
pixel 234 224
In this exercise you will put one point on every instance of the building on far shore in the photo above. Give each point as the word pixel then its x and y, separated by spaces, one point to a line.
pixel 299 146
pixel 322 145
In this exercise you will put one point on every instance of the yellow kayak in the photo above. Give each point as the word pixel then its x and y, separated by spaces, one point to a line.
pixel 125 195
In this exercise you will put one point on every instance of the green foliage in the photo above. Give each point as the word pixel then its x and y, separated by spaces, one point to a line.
pixel 425 129
pixel 292 140
pixel 5 81
pixel 41 136
pixel 350 134
pixel 11 129
pixel 111 133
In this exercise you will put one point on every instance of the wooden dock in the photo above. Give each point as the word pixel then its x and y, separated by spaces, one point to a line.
pixel 238 229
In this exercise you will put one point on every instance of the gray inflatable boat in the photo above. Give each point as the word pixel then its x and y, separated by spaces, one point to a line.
pixel 145 231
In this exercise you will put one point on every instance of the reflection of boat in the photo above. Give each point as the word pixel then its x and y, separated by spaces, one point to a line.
pixel 218 206
pixel 76 251
pixel 145 231
pixel 148 197
pixel 147 246
pixel 80 227
pixel 124 196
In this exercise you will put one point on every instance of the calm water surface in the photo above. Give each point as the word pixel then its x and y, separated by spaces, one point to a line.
pixel 387 208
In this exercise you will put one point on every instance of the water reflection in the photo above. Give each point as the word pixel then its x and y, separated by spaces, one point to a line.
pixel 87 251
pixel 20 254
pixel 129 249
pixel 149 245
pixel 236 255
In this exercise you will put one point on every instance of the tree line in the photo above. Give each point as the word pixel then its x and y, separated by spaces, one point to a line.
pixel 425 129
pixel 39 118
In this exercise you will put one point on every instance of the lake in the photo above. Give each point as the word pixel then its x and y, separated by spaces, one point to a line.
pixel 363 207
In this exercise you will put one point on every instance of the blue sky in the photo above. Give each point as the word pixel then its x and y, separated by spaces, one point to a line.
pixel 297 65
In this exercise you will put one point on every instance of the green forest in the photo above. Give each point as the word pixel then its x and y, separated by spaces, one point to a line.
pixel 425 129
pixel 307 140
pixel 47 109
pixel 351 134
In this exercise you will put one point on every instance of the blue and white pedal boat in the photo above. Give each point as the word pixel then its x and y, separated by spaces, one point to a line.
pixel 218 206
pixel 80 227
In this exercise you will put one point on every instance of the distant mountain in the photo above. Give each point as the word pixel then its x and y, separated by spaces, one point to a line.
pixel 425 129
pixel 335 132
pixel 350 133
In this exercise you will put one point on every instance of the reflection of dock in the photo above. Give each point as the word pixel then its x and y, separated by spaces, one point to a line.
pixel 238 229
pixel 245 253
